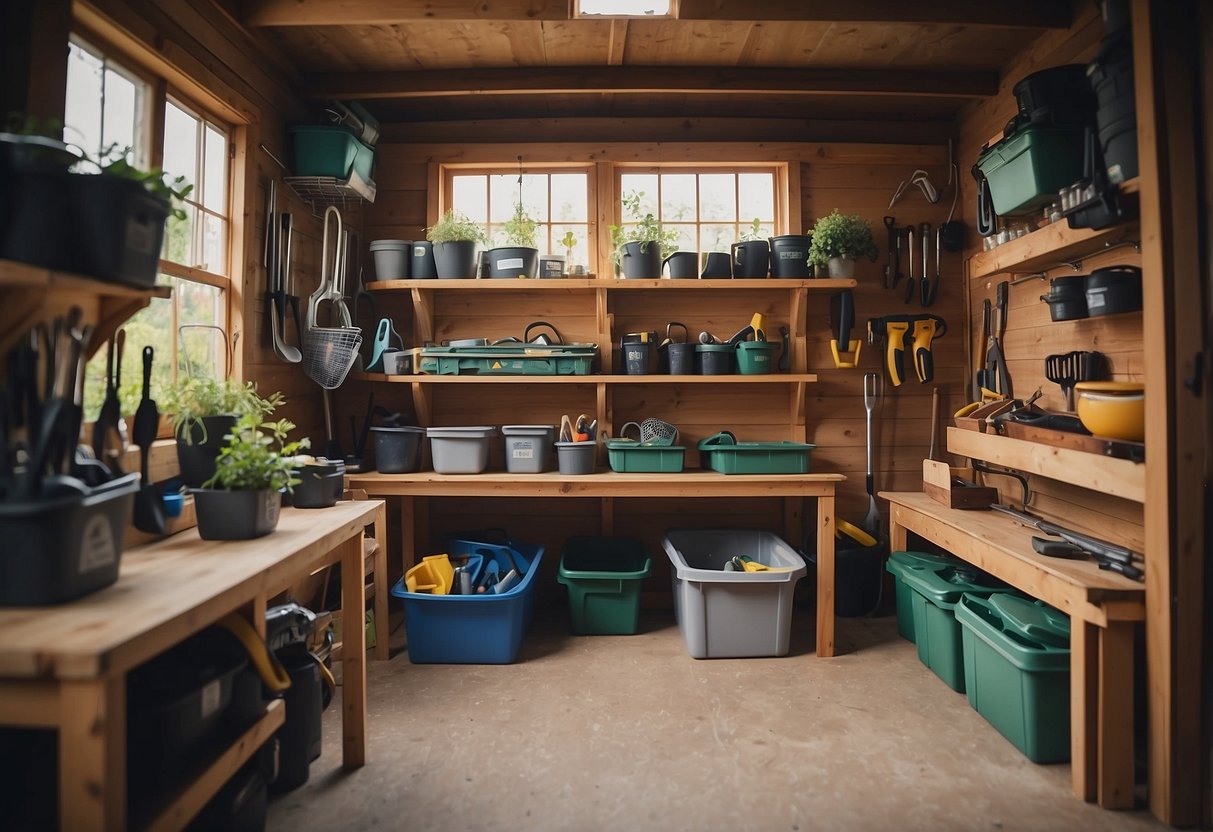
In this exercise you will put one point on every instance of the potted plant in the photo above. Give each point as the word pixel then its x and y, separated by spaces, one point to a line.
pixel 519 257
pixel 204 412
pixel 640 246
pixel 454 238
pixel 838 240
pixel 242 499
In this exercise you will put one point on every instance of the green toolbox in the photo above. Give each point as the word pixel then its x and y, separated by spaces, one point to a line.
pixel 723 453
pixel 896 566
pixel 630 457
pixel 604 576
pixel 510 360
pixel 935 593
pixel 1017 671
pixel 1028 167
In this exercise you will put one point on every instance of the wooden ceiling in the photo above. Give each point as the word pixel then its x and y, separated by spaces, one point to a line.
pixel 819 61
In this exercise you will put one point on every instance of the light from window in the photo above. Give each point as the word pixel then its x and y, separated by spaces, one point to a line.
pixel 105 105
pixel 197 150
pixel 709 210
pixel 624 8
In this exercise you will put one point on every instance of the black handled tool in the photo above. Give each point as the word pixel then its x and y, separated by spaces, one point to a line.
pixel 909 290
pixel 890 269
pixel 926 329
pixel 842 319
pixel 149 505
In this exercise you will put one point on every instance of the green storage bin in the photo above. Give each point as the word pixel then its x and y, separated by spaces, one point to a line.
pixel 604 576
pixel 1017 672
pixel 629 457
pixel 327 150
pixel 756 358
pixel 1027 168
pixel 935 593
pixel 897 563
pixel 760 457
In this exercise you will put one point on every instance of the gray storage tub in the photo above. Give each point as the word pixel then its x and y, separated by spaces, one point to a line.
pixel 460 450
pixel 528 448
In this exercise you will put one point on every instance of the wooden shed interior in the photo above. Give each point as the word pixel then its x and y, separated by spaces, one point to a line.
pixel 842 103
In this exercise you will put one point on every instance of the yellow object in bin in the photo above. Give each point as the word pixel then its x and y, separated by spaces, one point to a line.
pixel 748 564
pixel 433 575
pixel 854 532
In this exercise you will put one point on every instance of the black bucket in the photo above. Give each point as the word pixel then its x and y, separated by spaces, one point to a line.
pixel 751 258
pixel 1111 76
pixel 714 359
pixel 636 358
pixel 858 574
pixel 681 359
pixel 790 255
pixel 456 259
pixel 421 263
pixel 640 259
pixel 682 265
pixel 513 261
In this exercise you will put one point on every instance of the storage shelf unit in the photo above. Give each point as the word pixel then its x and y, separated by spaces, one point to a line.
pixel 613 284
pixel 1049 247
pixel 652 378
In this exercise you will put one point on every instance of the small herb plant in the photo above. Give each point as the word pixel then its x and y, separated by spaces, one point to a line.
pixel 520 229
pixel 841 235
pixel 195 398
pixel 115 161
pixel 569 241
pixel 257 457
pixel 754 232
pixel 646 229
pixel 455 227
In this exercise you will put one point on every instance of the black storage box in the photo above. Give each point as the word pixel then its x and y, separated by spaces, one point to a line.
pixel 1056 97
pixel 119 229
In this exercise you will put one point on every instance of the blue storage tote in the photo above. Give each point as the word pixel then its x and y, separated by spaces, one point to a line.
pixel 473 629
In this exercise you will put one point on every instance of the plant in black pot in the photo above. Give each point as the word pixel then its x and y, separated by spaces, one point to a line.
pixel 519 257
pixel 454 238
pixel 204 412
pixel 641 243
pixel 243 497
pixel 838 241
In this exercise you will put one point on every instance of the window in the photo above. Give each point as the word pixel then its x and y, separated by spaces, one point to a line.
pixel 709 208
pixel 558 199
pixel 111 106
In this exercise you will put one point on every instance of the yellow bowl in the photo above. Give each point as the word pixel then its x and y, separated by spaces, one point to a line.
pixel 1117 414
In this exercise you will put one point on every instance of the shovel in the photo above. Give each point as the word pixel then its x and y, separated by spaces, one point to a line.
pixel 871 393
pixel 149 506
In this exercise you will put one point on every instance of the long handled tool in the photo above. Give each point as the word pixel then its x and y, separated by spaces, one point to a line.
pixel 871 393
pixel 1108 555
pixel 275 296
pixel 149 505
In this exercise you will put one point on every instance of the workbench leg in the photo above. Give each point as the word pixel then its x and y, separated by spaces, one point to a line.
pixel 381 588
pixel 353 655
pixel 408 528
pixel 1116 715
pixel 825 576
pixel 92 754
pixel 1084 708
pixel 897 535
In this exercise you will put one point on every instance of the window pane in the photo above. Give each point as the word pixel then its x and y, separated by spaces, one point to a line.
pixel 180 143
pixel 581 248
pixel 535 196
pixel 469 195
pixel 214 245
pixel 151 326
pixel 717 197
pixel 570 198
pixel 179 237
pixel 677 197
pixel 214 172
pixel 646 185
pixel 503 194
pixel 121 114
pixel 756 196
pixel 686 236
pixel 200 341
pixel 717 236
pixel 82 112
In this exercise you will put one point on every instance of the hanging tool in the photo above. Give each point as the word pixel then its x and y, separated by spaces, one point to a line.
pixel 842 319
pixel 909 290
pixel 900 333
pixel 871 393
pixel 930 287
pixel 291 300
pixel 109 417
pixel 149 504
pixel 890 269
pixel 924 240
pixel 1068 369
pixel 274 296
pixel 933 450
pixel 926 329
pixel 997 384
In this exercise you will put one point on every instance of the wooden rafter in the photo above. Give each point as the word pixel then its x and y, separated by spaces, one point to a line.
pixel 593 80
pixel 1044 14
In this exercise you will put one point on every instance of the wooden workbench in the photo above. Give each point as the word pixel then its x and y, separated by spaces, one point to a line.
pixel 1103 608
pixel 791 488
pixel 65 667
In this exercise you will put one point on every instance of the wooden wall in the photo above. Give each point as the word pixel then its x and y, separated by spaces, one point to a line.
pixel 1031 335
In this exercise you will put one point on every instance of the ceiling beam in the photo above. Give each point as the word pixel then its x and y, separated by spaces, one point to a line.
pixel 1039 14
pixel 590 80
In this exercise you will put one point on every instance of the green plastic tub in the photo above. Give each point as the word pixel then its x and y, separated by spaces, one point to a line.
pixel 324 150
pixel 1027 168
pixel 604 576
pixel 935 593
pixel 628 457
pixel 1017 671
pixel 760 457
pixel 897 564
pixel 756 358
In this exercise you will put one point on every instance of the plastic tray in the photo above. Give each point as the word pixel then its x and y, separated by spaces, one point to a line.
pixel 325 150
pixel 732 614
pixel 460 450
pixel 631 458
pixel 604 576
pixel 472 629
pixel 528 448
pixel 760 457
pixel 511 360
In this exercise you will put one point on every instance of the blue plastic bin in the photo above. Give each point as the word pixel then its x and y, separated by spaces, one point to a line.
pixel 473 629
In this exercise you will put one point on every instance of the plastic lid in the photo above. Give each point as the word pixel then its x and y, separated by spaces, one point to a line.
pixel 397 429
pixel 944 585
pixel 477 431
pixel 1033 620
pixel 527 430
pixel 384 245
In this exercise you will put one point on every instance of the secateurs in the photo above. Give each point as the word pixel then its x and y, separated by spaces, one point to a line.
pixel 902 333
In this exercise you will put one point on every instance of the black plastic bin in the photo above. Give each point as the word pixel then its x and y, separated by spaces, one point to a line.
pixel 1059 96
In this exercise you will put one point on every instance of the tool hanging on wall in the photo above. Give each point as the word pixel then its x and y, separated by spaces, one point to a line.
pixel 997 381
pixel 899 333
pixel 909 290
pixel 891 267
pixel 930 287
pixel 842 318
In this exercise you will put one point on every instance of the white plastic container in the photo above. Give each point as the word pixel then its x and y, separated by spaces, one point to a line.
pixel 528 448
pixel 732 614
pixel 391 258
pixel 460 450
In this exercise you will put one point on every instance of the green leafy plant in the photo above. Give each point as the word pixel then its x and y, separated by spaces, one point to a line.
pixel 455 227
pixel 644 230
pixel 257 457
pixel 195 398
pixel 569 241
pixel 754 232
pixel 115 161
pixel 520 229
pixel 841 235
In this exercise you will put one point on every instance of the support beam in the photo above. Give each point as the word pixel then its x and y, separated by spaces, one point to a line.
pixel 1044 14
pixel 592 80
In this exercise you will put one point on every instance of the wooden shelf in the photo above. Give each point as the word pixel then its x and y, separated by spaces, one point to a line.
pixel 1116 477
pixel 188 801
pixel 613 284
pixel 655 378
pixel 1054 245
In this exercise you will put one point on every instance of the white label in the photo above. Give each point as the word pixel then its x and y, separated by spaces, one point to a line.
pixel 523 453
pixel 1095 299
pixel 210 698
pixel 140 236
pixel 419 251
pixel 552 266
pixel 510 263
pixel 97 548
pixel 793 255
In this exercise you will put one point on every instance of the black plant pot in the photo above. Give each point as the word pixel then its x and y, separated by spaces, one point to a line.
pixel 513 261
pixel 196 457
pixel 640 259
pixel 236 515
pixel 457 259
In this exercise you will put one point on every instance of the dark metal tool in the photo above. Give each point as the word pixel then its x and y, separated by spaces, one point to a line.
pixel 1099 548
pixel 891 267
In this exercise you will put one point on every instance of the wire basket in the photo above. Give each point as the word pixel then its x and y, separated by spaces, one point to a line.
pixel 329 353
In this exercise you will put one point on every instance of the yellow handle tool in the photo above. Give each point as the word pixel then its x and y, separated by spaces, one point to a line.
pixel 926 329
pixel 895 350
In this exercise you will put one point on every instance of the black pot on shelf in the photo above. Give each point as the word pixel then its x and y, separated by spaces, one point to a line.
pixel 236 515
pixel 455 259
pixel 1067 298
pixel 640 259
pixel 199 448
pixel 513 261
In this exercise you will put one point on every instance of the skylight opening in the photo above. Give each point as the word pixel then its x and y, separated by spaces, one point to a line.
pixel 624 8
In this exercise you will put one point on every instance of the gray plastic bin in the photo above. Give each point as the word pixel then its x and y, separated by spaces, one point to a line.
pixel 528 448
pixel 460 450
pixel 732 614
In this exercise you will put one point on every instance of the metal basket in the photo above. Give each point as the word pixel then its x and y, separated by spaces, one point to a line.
pixel 329 353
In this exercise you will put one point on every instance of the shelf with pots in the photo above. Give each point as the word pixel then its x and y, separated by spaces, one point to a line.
pixel 613 284
pixel 651 378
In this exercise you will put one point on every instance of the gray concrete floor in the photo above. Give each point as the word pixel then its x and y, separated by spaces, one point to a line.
pixel 630 733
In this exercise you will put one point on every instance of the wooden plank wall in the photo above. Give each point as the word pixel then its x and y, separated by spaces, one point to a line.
pixel 854 178
pixel 1031 335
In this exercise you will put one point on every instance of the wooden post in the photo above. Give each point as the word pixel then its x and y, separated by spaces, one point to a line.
pixel 1084 764
pixel 353 656
pixel 92 754
pixel 825 576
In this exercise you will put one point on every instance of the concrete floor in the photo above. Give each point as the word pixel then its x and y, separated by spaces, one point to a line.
pixel 630 733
